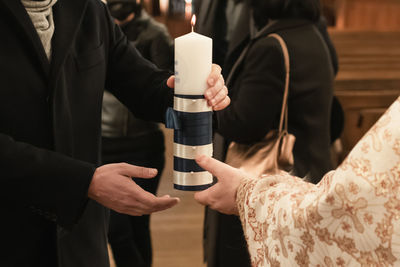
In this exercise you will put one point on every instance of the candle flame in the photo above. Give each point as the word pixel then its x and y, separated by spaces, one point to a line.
pixel 193 21
pixel 164 6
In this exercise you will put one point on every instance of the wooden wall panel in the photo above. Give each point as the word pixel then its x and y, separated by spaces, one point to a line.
pixel 368 80
pixel 381 15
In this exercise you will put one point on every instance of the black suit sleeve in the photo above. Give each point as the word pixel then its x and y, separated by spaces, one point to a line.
pixel 258 92
pixel 47 182
pixel 135 81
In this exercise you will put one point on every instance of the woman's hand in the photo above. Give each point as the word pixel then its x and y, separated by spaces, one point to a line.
pixel 216 93
pixel 222 195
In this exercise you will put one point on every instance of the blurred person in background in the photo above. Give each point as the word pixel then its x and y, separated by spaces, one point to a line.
pixel 233 24
pixel 126 138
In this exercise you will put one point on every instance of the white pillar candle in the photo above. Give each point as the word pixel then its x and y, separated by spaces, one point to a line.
pixel 193 59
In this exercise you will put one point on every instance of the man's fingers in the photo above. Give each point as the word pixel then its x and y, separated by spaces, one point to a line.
pixel 136 171
pixel 111 188
pixel 163 203
pixel 171 82
pixel 153 203
pixel 143 202
pixel 158 204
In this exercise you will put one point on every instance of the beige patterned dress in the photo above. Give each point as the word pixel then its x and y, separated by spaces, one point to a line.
pixel 351 218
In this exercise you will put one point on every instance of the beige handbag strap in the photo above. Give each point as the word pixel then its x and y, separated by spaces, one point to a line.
pixel 284 110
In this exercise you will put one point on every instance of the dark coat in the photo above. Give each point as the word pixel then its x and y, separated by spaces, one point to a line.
pixel 257 87
pixel 50 129
pixel 257 90
pixel 211 18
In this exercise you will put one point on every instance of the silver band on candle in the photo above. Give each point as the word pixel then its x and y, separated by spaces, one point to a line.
pixel 191 105
pixel 190 152
pixel 192 178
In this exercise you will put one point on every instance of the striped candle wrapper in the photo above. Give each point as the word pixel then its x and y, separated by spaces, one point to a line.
pixel 191 119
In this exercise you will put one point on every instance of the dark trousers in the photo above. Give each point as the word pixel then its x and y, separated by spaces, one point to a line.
pixel 224 241
pixel 129 236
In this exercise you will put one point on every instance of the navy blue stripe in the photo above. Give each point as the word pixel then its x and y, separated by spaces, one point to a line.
pixel 191 96
pixel 181 138
pixel 192 187
pixel 195 129
pixel 194 116
pixel 186 165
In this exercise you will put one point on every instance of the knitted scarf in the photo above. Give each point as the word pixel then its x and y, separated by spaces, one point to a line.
pixel 41 14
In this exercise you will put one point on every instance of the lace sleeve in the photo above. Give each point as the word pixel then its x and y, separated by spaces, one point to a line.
pixel 352 217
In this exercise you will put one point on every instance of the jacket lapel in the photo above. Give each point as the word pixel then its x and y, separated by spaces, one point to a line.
pixel 68 15
pixel 67 19
pixel 24 21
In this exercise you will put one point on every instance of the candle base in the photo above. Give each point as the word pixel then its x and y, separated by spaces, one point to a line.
pixel 192 187
pixel 192 181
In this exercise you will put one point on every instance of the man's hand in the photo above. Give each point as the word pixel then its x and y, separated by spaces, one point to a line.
pixel 113 187
pixel 216 93
pixel 222 195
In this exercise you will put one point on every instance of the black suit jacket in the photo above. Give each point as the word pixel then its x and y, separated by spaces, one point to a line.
pixel 257 90
pixel 50 129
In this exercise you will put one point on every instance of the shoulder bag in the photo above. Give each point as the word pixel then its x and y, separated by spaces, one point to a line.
pixel 274 151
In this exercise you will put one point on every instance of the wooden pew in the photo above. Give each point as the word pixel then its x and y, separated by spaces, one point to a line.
pixel 368 80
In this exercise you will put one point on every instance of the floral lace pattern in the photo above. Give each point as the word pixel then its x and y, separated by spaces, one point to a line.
pixel 351 218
